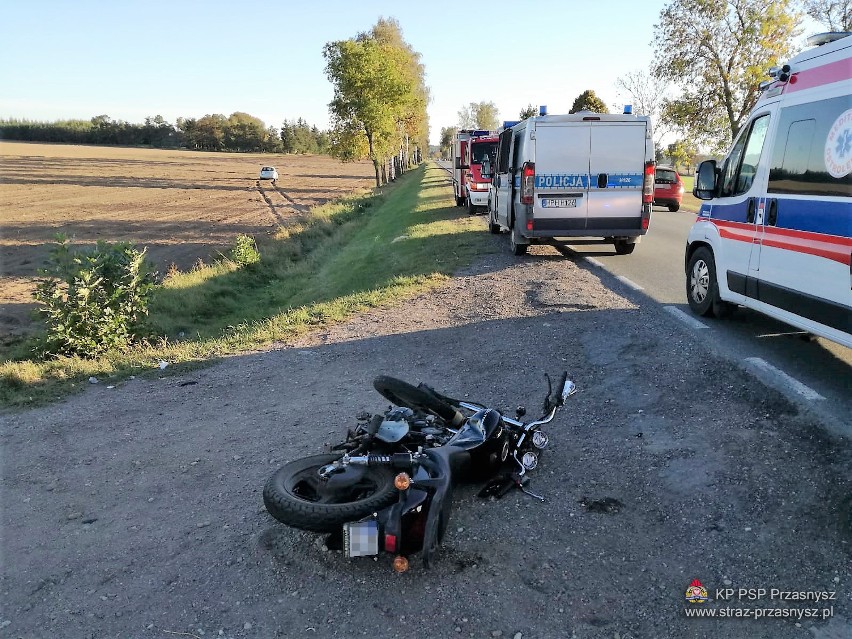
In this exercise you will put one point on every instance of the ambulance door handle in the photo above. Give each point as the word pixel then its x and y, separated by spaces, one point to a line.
pixel 750 211
pixel 603 179
pixel 772 217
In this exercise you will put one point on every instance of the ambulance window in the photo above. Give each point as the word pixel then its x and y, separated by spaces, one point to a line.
pixel 744 158
pixel 751 157
pixel 731 166
pixel 804 144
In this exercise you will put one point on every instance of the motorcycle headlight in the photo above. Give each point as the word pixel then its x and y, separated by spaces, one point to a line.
pixel 529 460
pixel 540 440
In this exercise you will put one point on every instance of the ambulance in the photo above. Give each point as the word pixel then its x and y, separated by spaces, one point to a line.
pixel 578 175
pixel 774 232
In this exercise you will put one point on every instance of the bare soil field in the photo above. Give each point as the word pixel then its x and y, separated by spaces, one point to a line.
pixel 182 205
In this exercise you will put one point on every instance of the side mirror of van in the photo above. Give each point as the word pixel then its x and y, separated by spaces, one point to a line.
pixel 705 180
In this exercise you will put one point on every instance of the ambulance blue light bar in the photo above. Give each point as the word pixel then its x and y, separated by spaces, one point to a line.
pixel 508 124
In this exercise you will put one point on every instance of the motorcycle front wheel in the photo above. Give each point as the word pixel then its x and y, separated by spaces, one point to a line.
pixel 297 495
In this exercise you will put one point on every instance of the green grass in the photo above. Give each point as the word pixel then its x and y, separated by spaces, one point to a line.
pixel 358 253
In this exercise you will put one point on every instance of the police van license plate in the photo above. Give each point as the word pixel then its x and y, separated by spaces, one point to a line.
pixel 558 202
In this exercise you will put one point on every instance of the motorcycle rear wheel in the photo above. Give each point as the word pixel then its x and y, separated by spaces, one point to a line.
pixel 296 495
pixel 404 394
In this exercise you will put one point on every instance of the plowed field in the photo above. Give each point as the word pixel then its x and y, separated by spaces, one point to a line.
pixel 182 205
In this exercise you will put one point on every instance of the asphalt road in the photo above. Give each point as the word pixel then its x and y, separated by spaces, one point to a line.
pixel 748 339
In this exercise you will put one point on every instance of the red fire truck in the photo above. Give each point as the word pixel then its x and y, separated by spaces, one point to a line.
pixel 472 149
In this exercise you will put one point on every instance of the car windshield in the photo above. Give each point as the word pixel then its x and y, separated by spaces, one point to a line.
pixel 665 176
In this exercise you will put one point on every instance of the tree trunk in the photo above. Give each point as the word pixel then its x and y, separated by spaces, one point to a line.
pixel 373 157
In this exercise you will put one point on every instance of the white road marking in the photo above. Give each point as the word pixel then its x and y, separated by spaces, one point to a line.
pixel 687 319
pixel 781 380
pixel 627 282
pixel 593 262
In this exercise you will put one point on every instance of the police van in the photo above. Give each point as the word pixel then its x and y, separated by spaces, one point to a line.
pixel 579 175
pixel 775 231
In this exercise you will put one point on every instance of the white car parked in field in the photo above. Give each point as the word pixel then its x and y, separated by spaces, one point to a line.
pixel 268 173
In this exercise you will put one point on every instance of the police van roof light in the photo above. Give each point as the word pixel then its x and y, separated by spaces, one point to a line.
pixel 628 109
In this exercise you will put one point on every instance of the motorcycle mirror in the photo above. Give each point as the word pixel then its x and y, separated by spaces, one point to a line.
pixel 568 389
pixel 520 411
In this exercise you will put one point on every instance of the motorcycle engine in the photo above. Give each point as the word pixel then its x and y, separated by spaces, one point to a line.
pixel 395 425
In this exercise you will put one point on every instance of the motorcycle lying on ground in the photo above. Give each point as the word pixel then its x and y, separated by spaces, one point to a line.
pixel 388 486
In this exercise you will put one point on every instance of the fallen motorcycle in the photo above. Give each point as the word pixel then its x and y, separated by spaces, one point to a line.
pixel 388 485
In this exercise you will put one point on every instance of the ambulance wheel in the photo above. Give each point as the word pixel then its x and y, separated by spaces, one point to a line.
pixel 623 247
pixel 674 207
pixel 702 287
pixel 459 201
pixel 471 209
pixel 515 243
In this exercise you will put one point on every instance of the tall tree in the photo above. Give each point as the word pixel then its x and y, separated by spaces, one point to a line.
pixel 588 101
pixel 716 52
pixel 647 94
pixel 836 15
pixel 479 115
pixel 446 143
pixel 379 94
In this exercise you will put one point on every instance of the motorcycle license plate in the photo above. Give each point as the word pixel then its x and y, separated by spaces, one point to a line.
pixel 361 538
pixel 558 203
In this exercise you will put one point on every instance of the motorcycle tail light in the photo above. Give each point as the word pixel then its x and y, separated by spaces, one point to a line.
pixel 540 440
pixel 402 481
pixel 400 563
pixel 390 543
pixel 529 460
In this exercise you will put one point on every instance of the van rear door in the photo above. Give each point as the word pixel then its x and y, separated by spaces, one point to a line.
pixel 616 173
pixel 561 175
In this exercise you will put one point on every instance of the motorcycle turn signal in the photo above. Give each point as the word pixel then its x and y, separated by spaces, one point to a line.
pixel 402 481
pixel 400 563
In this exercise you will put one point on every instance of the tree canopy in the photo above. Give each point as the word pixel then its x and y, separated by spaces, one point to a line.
pixel 588 101
pixel 835 15
pixel 528 112
pixel 479 115
pixel 380 96
pixel 717 52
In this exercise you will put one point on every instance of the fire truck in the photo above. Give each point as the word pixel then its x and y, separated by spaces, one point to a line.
pixel 471 150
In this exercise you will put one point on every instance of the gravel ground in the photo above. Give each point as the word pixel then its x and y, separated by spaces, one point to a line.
pixel 136 511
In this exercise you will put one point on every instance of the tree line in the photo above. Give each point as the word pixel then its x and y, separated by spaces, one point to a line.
pixel 216 132
pixel 483 116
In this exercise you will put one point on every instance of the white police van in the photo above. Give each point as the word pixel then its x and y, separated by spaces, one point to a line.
pixel 579 175
pixel 775 232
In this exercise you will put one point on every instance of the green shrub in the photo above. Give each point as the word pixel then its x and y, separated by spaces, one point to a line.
pixel 93 300
pixel 245 251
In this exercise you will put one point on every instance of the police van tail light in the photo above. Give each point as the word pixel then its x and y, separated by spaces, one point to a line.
pixel 648 184
pixel 528 180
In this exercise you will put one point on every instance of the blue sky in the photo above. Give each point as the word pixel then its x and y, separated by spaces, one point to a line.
pixel 132 59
